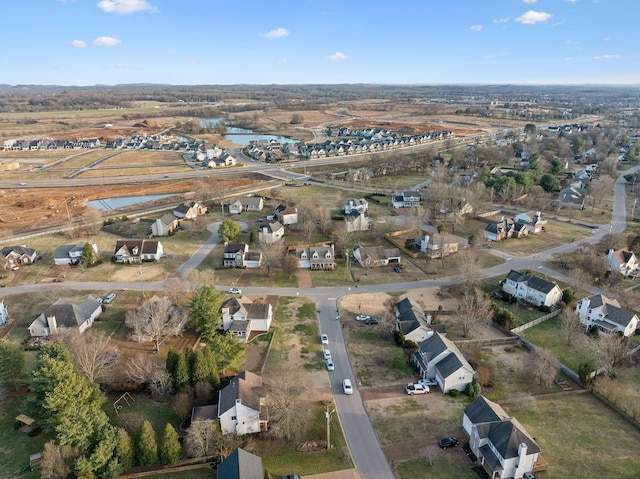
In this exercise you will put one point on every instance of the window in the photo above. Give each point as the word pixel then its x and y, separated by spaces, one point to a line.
pixel 233 418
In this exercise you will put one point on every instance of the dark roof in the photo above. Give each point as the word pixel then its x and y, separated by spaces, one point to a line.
pixel 204 413
pixel 246 386
pixel 433 346
pixel 449 365
pixel 506 437
pixel 20 250
pixel 144 246
pixel 71 315
pixel 618 315
pixel 483 410
pixel 241 464
pixel 532 281
pixel 236 247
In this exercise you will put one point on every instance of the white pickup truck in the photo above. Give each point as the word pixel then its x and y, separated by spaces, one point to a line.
pixel 416 389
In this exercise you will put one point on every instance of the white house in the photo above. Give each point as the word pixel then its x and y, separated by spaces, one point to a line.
pixel 412 322
pixel 138 250
pixel 406 199
pixel 61 314
pixel 438 358
pixel 623 261
pixel 165 225
pixel 501 444
pixel 240 405
pixel 356 221
pixel 287 215
pixel 606 315
pixel 376 256
pixel 189 210
pixel 70 254
pixel 241 317
pixel 531 289
pixel 533 220
pixel 319 257
pixel 237 255
pixel 252 203
pixel 270 232
pixel 4 314
pixel 360 205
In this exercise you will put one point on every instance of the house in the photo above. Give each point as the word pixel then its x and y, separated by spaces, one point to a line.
pixel 241 464
pixel 412 322
pixel 287 215
pixel 533 220
pixel 438 358
pixel 356 221
pixel 236 207
pixel 138 250
pixel 531 289
pixel 458 207
pixel 376 256
pixel 63 314
pixel 270 232
pixel 623 261
pixel 19 255
pixel 237 255
pixel 165 225
pixel 241 317
pixel 406 199
pixel 571 197
pixel 440 245
pixel 606 315
pixel 252 203
pixel 4 314
pixel 360 205
pixel 501 444
pixel 70 254
pixel 189 210
pixel 319 257
pixel 240 406
pixel 499 230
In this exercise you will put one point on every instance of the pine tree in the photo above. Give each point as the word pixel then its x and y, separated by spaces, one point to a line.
pixel 200 370
pixel 124 450
pixel 147 445
pixel 181 372
pixel 170 449
pixel 212 366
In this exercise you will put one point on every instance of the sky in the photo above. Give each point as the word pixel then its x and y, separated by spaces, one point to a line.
pixel 417 42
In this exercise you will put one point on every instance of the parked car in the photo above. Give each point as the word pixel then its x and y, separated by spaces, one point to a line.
pixel 99 300
pixel 448 442
pixel 397 269
pixel 324 339
pixel 427 382
pixel 330 366
pixel 371 320
pixel 326 354
pixel 362 317
pixel 416 389
pixel 108 298
pixel 347 387
pixel 234 291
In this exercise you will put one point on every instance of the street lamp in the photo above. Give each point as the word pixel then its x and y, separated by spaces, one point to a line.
pixel 328 414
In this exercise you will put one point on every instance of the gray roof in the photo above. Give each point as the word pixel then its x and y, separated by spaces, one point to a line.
pixel 241 464
pixel 618 315
pixel 71 315
pixel 506 436
pixel 64 250
pixel 449 365
pixel 531 281
pixel 20 250
pixel 483 410
pixel 246 386
pixel 204 413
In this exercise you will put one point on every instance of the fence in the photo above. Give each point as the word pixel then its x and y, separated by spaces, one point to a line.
pixel 535 322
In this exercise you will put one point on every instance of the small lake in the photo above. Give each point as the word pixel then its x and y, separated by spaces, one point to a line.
pixel 243 136
pixel 106 204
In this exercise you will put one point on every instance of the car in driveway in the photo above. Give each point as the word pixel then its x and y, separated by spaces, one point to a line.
pixel 234 291
pixel 397 269
pixel 347 388
pixel 108 298
pixel 362 317
pixel 448 442
pixel 330 366
pixel 326 354
pixel 415 388
pixel 427 382
pixel 324 339
pixel 371 320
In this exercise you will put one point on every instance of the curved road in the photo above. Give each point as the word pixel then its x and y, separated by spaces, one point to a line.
pixel 361 438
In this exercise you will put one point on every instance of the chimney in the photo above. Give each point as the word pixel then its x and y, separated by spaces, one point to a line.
pixel 522 453
pixel 52 324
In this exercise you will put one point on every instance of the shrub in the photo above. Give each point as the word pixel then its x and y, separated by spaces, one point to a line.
pixel 454 393
pixel 544 308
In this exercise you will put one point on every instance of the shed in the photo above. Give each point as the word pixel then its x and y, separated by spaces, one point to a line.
pixel 26 422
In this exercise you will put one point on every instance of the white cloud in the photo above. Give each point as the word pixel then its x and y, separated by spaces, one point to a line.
pixel 78 44
pixel 277 33
pixel 501 20
pixel 476 28
pixel 106 42
pixel 529 1
pixel 337 56
pixel 126 66
pixel 605 57
pixel 283 60
pixel 531 17
pixel 126 7
pixel 191 61
pixel 606 39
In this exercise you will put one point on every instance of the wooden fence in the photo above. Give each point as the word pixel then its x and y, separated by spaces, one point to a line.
pixel 535 322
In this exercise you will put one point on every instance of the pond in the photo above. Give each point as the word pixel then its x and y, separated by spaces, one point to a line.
pixel 243 136
pixel 106 204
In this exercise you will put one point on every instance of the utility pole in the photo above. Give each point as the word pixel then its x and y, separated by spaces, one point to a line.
pixel 328 414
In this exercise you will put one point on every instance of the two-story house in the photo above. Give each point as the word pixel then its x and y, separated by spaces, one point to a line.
pixel 606 315
pixel 502 445
pixel 241 404
pixel 412 321
pixel 623 261
pixel 406 199
pixel 165 225
pixel 244 319
pixel 138 250
pixel 356 221
pixel 533 220
pixel 189 210
pixel 360 205
pixel 271 232
pixel 237 255
pixel 320 257
pixel 531 289
pixel 287 215
pixel 70 254
pixel 440 245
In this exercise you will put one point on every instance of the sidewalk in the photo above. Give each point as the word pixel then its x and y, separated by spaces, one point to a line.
pixel 345 474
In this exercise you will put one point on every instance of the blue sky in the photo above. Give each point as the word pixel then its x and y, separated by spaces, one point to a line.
pixel 188 42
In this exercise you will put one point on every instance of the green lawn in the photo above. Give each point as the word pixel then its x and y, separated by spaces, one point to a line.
pixel 442 466
pixel 141 406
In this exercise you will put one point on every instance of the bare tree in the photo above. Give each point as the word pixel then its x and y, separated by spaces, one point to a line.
pixel 544 366
pixel 609 352
pixel 470 267
pixel 570 324
pixel 142 369
pixel 308 228
pixel 58 461
pixel 204 438
pixel 288 412
pixel 323 217
pixel 155 319
pixel 91 352
pixel 272 255
pixel 474 310
pixel 182 404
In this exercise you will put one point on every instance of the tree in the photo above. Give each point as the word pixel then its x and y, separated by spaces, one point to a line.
pixel 204 311
pixel 289 414
pixel 155 319
pixel 474 310
pixel 12 363
pixel 530 129
pixel 147 445
pixel 229 353
pixel 90 351
pixel 608 352
pixel 569 325
pixel 272 255
pixel 229 230
pixel 470 266
pixel 203 439
pixel 200 370
pixel 549 183
pixel 58 461
pixel 170 448
pixel 178 369
pixel 89 255
pixel 290 265
pixel 125 451
pixel 296 119
pixel 557 166
pixel 323 217
pixel 544 366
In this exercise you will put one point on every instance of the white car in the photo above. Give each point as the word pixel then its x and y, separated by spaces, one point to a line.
pixel 347 387
pixel 362 317
pixel 427 382
pixel 416 389
pixel 110 297
pixel 234 291
pixel 330 366
pixel 324 339
pixel 326 354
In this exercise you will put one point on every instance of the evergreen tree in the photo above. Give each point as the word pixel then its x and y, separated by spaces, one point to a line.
pixel 170 449
pixel 204 311
pixel 212 366
pixel 147 445
pixel 89 255
pixel 229 353
pixel 181 373
pixel 125 451
pixel 172 360
pixel 229 230
pixel 11 364
pixel 200 370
